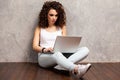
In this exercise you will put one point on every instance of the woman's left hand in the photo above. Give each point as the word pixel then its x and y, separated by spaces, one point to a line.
pixel 48 50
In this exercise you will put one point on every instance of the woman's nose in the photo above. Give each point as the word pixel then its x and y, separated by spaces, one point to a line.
pixel 54 17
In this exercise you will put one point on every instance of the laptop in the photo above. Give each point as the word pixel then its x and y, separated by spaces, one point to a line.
pixel 66 44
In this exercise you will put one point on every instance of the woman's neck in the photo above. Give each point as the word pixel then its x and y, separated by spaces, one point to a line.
pixel 51 25
pixel 51 28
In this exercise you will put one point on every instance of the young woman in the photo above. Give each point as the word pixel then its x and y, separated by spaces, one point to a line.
pixel 52 23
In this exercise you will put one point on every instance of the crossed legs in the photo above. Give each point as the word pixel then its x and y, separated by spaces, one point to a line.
pixel 48 60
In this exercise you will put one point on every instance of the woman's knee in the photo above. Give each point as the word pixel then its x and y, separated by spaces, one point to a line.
pixel 85 50
pixel 46 60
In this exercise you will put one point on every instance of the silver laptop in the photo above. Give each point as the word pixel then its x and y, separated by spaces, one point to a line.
pixel 66 44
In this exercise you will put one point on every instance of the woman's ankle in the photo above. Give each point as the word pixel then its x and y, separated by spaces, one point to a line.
pixel 76 69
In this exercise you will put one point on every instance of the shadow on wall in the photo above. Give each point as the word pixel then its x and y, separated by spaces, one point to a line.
pixel 32 55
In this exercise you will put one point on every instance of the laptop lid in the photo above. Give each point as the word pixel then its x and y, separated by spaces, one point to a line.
pixel 67 44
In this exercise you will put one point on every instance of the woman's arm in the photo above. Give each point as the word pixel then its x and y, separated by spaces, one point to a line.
pixel 64 31
pixel 36 40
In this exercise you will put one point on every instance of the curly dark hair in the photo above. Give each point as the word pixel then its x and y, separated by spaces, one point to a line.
pixel 43 18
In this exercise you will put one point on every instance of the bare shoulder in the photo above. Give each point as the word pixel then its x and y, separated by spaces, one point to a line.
pixel 37 29
pixel 64 30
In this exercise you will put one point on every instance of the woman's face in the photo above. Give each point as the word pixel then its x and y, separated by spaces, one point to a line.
pixel 52 16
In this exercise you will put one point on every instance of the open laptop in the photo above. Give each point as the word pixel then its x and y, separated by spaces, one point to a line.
pixel 66 44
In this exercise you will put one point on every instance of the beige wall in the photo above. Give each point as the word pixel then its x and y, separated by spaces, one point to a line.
pixel 97 21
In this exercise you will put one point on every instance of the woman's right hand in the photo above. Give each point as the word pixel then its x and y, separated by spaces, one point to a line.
pixel 48 50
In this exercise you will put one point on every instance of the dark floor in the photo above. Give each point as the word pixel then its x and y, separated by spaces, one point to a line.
pixel 31 71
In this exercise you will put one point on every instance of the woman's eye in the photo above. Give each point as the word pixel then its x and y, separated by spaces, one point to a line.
pixel 56 15
pixel 51 14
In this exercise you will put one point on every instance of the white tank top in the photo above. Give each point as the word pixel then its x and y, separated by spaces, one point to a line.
pixel 47 39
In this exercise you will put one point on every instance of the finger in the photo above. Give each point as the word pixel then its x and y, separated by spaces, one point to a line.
pixel 50 49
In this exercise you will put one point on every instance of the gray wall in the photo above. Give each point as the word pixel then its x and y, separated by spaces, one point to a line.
pixel 97 21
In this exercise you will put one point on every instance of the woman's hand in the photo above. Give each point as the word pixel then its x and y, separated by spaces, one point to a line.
pixel 48 50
